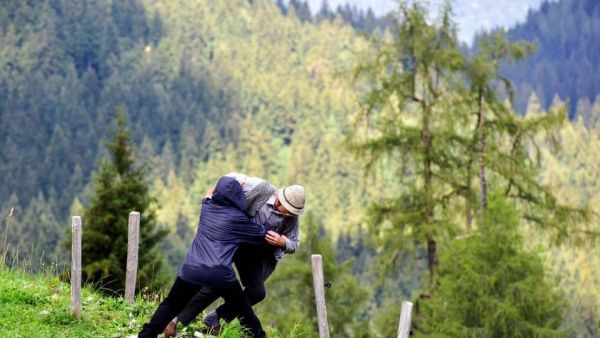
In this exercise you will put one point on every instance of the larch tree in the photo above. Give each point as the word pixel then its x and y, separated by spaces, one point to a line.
pixel 407 116
pixel 489 285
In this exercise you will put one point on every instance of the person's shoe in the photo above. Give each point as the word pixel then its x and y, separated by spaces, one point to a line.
pixel 213 325
pixel 170 330
pixel 212 319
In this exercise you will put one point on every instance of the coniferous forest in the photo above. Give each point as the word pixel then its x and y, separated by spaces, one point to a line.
pixel 461 178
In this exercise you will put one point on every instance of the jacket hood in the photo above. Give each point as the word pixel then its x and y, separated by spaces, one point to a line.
pixel 229 192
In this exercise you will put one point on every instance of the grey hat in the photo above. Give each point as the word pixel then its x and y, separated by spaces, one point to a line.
pixel 292 198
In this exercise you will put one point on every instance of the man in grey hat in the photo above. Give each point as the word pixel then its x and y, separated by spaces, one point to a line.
pixel 278 211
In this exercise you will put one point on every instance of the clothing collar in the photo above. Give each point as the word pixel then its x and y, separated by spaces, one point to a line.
pixel 271 204
pixel 271 200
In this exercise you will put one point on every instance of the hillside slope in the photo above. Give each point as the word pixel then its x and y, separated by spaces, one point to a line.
pixel 39 306
pixel 36 306
pixel 567 33
pixel 209 87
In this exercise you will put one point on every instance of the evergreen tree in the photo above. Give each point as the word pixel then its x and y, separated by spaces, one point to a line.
pixel 37 233
pixel 324 13
pixel 574 175
pixel 568 38
pixel 119 189
pixel 301 9
pixel 489 286
pixel 417 114
pixel 409 116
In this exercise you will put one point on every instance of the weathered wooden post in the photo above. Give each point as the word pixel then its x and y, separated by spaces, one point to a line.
pixel 133 243
pixel 76 266
pixel 317 271
pixel 405 318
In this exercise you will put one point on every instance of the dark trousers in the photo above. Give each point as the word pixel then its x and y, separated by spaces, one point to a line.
pixel 179 296
pixel 254 265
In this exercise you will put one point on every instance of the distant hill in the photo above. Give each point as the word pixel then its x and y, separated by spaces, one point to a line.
pixel 567 34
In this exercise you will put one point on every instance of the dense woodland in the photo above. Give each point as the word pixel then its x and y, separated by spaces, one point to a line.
pixel 567 34
pixel 266 88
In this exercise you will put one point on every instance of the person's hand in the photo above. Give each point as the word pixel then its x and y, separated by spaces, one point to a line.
pixel 210 193
pixel 241 180
pixel 275 239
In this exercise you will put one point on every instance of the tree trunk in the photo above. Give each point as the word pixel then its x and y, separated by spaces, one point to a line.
pixel 428 214
pixel 481 159
pixel 432 259
pixel 468 206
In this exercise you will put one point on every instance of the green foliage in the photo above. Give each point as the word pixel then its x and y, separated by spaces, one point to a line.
pixel 218 86
pixel 573 174
pixel 119 189
pixel 568 39
pixel 507 146
pixel 290 304
pixel 420 117
pixel 39 305
pixel 490 286
pixel 204 98
pixel 234 330
pixel 408 118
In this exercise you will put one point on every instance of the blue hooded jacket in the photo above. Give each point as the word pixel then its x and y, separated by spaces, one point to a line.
pixel 222 228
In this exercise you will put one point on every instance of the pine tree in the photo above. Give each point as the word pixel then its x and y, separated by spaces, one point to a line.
pixel 119 189
pixel 574 175
pixel 38 232
pixel 489 286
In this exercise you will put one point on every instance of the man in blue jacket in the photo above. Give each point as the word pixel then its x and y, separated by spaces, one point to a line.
pixel 222 228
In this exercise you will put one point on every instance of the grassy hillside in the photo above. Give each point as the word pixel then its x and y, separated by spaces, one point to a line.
pixel 39 306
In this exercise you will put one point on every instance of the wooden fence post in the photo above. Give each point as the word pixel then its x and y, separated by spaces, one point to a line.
pixel 133 242
pixel 405 318
pixel 76 266
pixel 317 271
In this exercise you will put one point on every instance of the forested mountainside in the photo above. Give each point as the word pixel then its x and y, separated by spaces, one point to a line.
pixel 202 94
pixel 363 21
pixel 189 81
pixel 567 34
pixel 567 38
pixel 208 87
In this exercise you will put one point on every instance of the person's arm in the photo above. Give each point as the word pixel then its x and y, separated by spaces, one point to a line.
pixel 289 240
pixel 251 232
pixel 292 237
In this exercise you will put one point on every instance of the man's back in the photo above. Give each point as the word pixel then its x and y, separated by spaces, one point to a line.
pixel 222 227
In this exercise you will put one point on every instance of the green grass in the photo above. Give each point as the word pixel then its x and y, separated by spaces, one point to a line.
pixel 39 306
